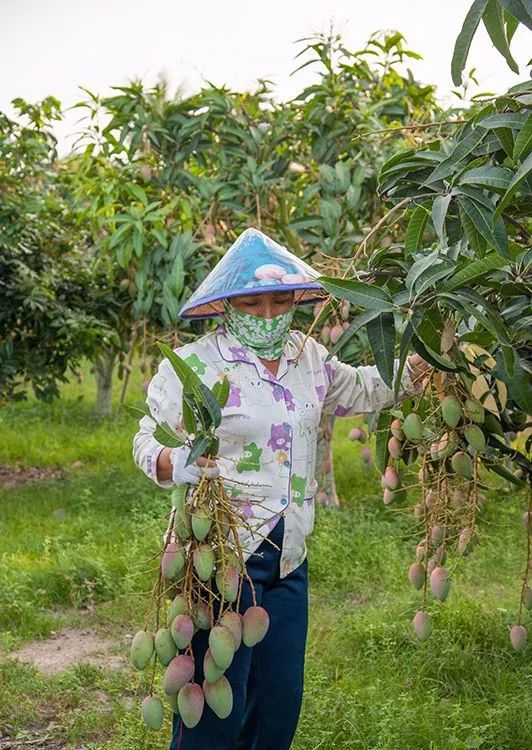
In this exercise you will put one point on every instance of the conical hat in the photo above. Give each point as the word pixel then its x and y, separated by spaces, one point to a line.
pixel 253 264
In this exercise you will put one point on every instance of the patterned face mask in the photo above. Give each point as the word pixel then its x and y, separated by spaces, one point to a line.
pixel 264 336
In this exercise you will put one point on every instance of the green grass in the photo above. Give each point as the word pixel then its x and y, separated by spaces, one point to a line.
pixel 72 552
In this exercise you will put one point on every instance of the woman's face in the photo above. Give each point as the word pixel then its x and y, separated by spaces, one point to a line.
pixel 265 304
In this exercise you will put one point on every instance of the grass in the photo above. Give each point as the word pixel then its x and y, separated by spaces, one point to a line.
pixel 72 552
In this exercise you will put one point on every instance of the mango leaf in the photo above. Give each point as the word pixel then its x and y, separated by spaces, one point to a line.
pixel 433 358
pixel 496 178
pixel 199 446
pixel 382 453
pixel 519 177
pixel 432 275
pixel 464 39
pixel 164 435
pixel 439 211
pixel 405 338
pixel 501 470
pixel 518 10
pixel 483 220
pixel 475 239
pixel 416 226
pixel 381 337
pixel 185 373
pixel 512 120
pixel 473 271
pixel 354 326
pixel 494 22
pixel 189 419
pixel 206 398
pixel 462 149
pixel 419 266
pixel 361 294
pixel 505 137
pixel 221 391
pixel 518 381
pixel 138 409
pixel 428 325
pixel 523 142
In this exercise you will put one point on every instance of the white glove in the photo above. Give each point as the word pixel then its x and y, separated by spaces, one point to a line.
pixel 191 473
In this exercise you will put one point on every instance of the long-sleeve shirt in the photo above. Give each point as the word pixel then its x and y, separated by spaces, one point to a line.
pixel 268 432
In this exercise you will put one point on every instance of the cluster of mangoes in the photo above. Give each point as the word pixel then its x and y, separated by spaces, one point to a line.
pixel 200 566
pixel 330 334
pixel 451 440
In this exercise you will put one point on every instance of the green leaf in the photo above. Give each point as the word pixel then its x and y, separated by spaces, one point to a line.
pixel 138 409
pixel 186 374
pixel 494 22
pixel 506 139
pixel 381 337
pixel 496 178
pixel 364 295
pixel 464 39
pixel 519 177
pixel 462 149
pixel 405 337
pixel 501 471
pixel 164 435
pixel 139 193
pixel 428 325
pixel 518 10
pixel 416 226
pixel 433 358
pixel 483 219
pixel 439 211
pixel 381 441
pixel 221 391
pixel 523 142
pixel 207 398
pixel 511 120
pixel 189 419
pixel 199 446
pixel 474 270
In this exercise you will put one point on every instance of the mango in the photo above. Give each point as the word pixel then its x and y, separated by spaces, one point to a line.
pixel 475 437
pixel 416 575
pixel 219 696
pixel 178 673
pixel 357 434
pixel 178 606
pixel 336 332
pixel 421 550
pixel 474 410
pixel 462 465
pixel 422 625
pixel 191 703
pixel 440 583
pixel 201 523
pixel 152 712
pixel 203 559
pixel 325 334
pixel 182 630
pixel 211 670
pixel 182 521
pixel 458 499
pixel 172 702
pixel 390 496
pixel 390 479
pixel 436 535
pixel 142 648
pixel 396 428
pixel 467 541
pixel 527 597
pixel 228 583
pixel 394 447
pixel 172 561
pixel 165 647
pixel 451 410
pixel 413 428
pixel 518 638
pixel 440 554
pixel 233 622
pixel 222 646
pixel 430 497
pixel 202 616
pixel 255 625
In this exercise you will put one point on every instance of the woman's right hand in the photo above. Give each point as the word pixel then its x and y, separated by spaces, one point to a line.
pixel 171 465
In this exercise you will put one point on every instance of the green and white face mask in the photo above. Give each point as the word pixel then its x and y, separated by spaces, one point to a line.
pixel 264 336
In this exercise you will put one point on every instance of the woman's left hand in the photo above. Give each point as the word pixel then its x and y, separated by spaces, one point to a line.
pixel 419 369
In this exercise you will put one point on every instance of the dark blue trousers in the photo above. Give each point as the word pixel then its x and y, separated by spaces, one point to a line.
pixel 267 680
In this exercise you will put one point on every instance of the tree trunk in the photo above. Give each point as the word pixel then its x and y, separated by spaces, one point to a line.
pixel 326 494
pixel 104 366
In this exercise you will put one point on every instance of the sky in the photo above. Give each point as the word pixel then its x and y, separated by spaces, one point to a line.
pixel 51 47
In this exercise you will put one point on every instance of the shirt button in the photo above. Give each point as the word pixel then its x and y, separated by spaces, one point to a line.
pixel 278 389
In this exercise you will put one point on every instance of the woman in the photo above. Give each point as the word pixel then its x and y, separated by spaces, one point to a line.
pixel 266 461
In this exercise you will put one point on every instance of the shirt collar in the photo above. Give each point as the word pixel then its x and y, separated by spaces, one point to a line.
pixel 233 351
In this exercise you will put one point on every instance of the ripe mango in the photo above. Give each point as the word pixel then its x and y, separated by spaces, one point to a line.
pixel 421 549
pixel 422 625
pixel 396 428
pixel 475 437
pixel 256 622
pixel 211 670
pixel 394 447
pixel 152 712
pixel 202 616
pixel 390 496
pixel 165 647
pixel 451 410
pixel 172 561
pixel 182 630
pixel 203 559
pixel 436 535
pixel 390 479
pixel 191 703
pixel 222 646
pixel 357 434
pixel 413 428
pixel 518 638
pixel 172 702
pixel 228 582
pixel 458 499
pixel 527 597
pixel 474 410
pixel 142 648
pixel 201 523
pixel 336 332
pixel 233 622
pixel 462 465
pixel 440 555
pixel 416 575
pixel 440 583
pixel 219 696
pixel 178 606
pixel 178 673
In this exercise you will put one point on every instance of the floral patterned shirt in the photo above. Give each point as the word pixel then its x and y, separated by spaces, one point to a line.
pixel 268 433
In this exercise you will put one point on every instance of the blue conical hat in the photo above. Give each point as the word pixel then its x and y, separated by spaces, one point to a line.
pixel 254 263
